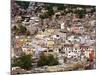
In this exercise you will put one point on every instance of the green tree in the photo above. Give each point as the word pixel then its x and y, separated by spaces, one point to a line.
pixel 51 60
pixel 80 13
pixel 42 16
pixel 42 61
pixel 23 4
pixel 24 61
pixel 47 60
pixel 61 7
pixel 15 29
pixel 22 29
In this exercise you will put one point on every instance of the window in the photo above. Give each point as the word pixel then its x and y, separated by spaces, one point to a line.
pixel 75 48
pixel 45 51
pixel 50 50
pixel 74 56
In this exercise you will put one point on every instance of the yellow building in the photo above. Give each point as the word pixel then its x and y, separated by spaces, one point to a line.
pixel 28 50
pixel 50 43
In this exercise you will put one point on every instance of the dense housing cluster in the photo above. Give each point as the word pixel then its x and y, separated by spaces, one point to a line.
pixel 59 37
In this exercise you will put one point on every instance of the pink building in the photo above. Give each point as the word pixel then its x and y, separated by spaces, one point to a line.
pixel 75 29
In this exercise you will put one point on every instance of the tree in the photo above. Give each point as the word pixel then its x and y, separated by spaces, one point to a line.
pixel 93 10
pixel 61 7
pixel 42 61
pixel 42 16
pixel 50 12
pixel 22 29
pixel 15 29
pixel 47 60
pixel 23 4
pixel 80 13
pixel 24 61
pixel 52 61
pixel 28 33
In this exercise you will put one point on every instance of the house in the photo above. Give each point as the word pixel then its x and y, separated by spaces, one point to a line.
pixel 18 18
pixel 72 55
pixel 49 51
pixel 67 42
pixel 58 13
pixel 71 38
pixel 28 48
pixel 61 60
pixel 79 8
pixel 93 22
pixel 84 48
pixel 62 26
pixel 68 47
pixel 87 51
pixel 56 50
pixel 55 8
pixel 50 43
pixel 18 43
pixel 72 51
pixel 17 70
pixel 44 11
pixel 39 50
pixel 92 55
pixel 81 29
pixel 62 35
pixel 75 29
pixel 56 37
pixel 12 53
pixel 77 50
pixel 68 29
pixel 52 50
pixel 82 40
pixel 88 9
pixel 76 40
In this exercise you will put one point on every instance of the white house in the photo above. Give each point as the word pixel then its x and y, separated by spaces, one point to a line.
pixel 73 51
pixel 62 25
pixel 56 37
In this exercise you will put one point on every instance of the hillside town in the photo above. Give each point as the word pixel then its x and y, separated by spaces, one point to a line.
pixel 64 32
